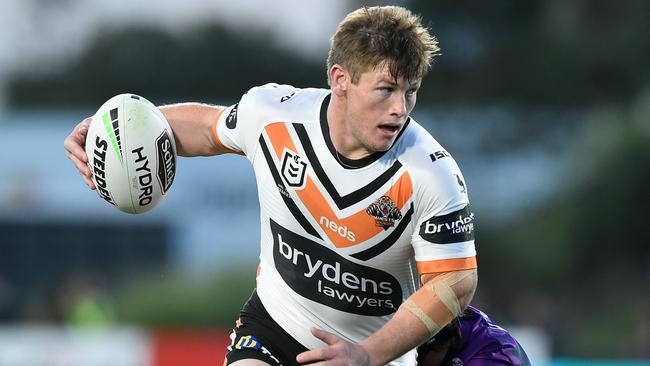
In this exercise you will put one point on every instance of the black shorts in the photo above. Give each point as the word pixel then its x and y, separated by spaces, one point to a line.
pixel 259 337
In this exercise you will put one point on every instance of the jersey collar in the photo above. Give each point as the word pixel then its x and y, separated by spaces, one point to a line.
pixel 342 160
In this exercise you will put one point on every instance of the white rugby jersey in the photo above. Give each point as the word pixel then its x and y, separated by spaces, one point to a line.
pixel 343 241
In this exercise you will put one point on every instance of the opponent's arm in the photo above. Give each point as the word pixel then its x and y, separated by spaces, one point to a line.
pixel 191 123
pixel 436 303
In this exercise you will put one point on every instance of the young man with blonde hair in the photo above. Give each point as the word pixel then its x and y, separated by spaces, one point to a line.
pixel 367 245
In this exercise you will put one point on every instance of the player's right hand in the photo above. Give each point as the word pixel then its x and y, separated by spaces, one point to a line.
pixel 74 146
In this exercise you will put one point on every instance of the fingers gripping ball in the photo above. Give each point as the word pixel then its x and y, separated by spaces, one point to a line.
pixel 131 153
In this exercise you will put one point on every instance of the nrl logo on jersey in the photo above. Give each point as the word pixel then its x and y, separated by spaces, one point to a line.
pixel 385 212
pixel 293 169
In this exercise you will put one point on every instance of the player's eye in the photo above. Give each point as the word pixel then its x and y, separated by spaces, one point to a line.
pixel 386 90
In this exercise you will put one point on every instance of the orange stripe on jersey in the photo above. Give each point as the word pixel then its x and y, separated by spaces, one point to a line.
pixel 347 231
pixel 280 138
pixel 217 140
pixel 362 225
pixel 446 265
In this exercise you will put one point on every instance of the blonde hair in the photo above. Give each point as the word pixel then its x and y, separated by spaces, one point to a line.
pixel 374 37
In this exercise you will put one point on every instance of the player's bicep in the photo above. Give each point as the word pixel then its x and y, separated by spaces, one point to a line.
pixel 238 128
pixel 445 242
pixel 226 137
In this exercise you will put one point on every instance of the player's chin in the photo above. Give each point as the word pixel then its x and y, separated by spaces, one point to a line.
pixel 383 145
pixel 386 141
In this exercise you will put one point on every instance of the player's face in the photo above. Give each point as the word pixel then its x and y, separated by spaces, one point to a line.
pixel 377 108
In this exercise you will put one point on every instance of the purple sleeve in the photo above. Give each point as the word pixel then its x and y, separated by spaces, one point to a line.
pixel 485 343
pixel 482 343
pixel 487 362
pixel 503 357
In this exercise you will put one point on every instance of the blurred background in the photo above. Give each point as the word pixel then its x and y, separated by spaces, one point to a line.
pixel 544 104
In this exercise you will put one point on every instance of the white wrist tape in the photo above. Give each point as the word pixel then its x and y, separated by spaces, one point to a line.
pixel 411 306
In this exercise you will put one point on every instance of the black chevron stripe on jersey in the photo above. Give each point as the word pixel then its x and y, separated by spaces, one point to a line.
pixel 391 239
pixel 291 205
pixel 352 197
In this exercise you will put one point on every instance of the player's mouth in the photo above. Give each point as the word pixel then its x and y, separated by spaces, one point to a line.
pixel 389 129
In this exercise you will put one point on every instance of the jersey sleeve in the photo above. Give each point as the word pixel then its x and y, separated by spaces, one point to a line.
pixel 238 127
pixel 443 239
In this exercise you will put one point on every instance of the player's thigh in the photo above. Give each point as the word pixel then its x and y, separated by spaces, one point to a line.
pixel 249 362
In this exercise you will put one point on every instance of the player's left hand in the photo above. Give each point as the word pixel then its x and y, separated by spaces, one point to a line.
pixel 338 352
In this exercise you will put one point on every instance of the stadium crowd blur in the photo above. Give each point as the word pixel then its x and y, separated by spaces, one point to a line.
pixel 567 81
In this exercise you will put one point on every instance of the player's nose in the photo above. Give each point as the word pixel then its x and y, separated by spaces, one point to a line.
pixel 398 105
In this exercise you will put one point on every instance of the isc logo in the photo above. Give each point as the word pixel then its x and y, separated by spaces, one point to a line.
pixel 439 155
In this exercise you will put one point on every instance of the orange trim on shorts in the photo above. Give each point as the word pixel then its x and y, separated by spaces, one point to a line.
pixel 217 140
pixel 447 265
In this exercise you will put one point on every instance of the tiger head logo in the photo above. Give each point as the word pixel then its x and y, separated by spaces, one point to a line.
pixel 385 212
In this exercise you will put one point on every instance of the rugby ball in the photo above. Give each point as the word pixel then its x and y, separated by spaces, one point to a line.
pixel 131 153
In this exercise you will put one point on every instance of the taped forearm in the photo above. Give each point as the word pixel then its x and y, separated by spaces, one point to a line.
pixel 438 302
pixel 402 332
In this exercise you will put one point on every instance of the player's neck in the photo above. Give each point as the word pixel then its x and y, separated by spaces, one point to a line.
pixel 342 138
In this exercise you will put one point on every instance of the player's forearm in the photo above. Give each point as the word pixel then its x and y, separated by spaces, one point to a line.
pixel 192 124
pixel 408 328
pixel 401 334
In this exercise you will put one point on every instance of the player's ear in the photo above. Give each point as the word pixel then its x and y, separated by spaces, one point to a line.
pixel 339 78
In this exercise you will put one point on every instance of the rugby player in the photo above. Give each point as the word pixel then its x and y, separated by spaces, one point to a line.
pixel 367 243
pixel 472 339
